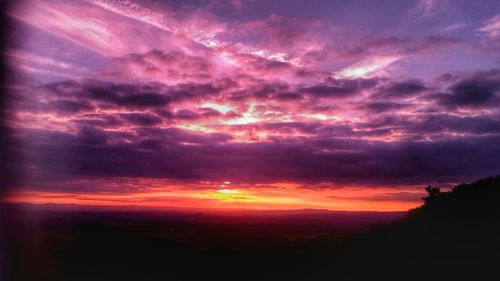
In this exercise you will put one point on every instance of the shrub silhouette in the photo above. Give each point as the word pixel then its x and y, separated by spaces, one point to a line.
pixel 433 192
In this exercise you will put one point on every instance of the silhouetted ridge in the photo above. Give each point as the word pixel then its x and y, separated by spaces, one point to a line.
pixel 453 235
pixel 478 198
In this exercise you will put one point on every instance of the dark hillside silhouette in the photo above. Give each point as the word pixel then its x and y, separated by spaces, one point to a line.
pixel 454 235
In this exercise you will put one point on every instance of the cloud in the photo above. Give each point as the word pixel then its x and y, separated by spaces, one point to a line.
pixel 68 107
pixel 142 130
pixel 387 196
pixel 236 108
pixel 367 68
pixel 399 90
pixel 132 96
pixel 491 27
pixel 338 88
pixel 277 32
pixel 168 67
pixel 201 114
pixel 407 46
pixel 329 91
pixel 477 90
pixel 287 96
pixel 141 119
pixel 432 126
pixel 91 27
pixel 198 25
pixel 160 153
pixel 379 53
pixel 379 107
pixel 30 59
pixel 453 27
pixel 116 137
pixel 424 9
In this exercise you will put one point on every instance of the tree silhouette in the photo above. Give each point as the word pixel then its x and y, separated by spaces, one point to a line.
pixel 433 192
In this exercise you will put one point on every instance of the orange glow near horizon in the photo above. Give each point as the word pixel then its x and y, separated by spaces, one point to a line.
pixel 288 197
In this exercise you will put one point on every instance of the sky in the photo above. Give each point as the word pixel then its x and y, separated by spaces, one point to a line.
pixel 339 105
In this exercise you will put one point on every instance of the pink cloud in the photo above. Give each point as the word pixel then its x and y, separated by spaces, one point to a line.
pixel 491 27
pixel 200 27
pixel 31 58
pixel 369 67
pixel 168 67
pixel 93 27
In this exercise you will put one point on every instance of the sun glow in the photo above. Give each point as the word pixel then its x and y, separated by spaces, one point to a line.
pixel 281 196
pixel 228 191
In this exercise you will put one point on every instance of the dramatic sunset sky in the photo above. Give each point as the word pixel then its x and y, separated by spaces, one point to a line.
pixel 340 105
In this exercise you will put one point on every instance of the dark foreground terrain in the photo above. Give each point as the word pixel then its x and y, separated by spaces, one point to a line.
pixel 453 236
pixel 65 243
